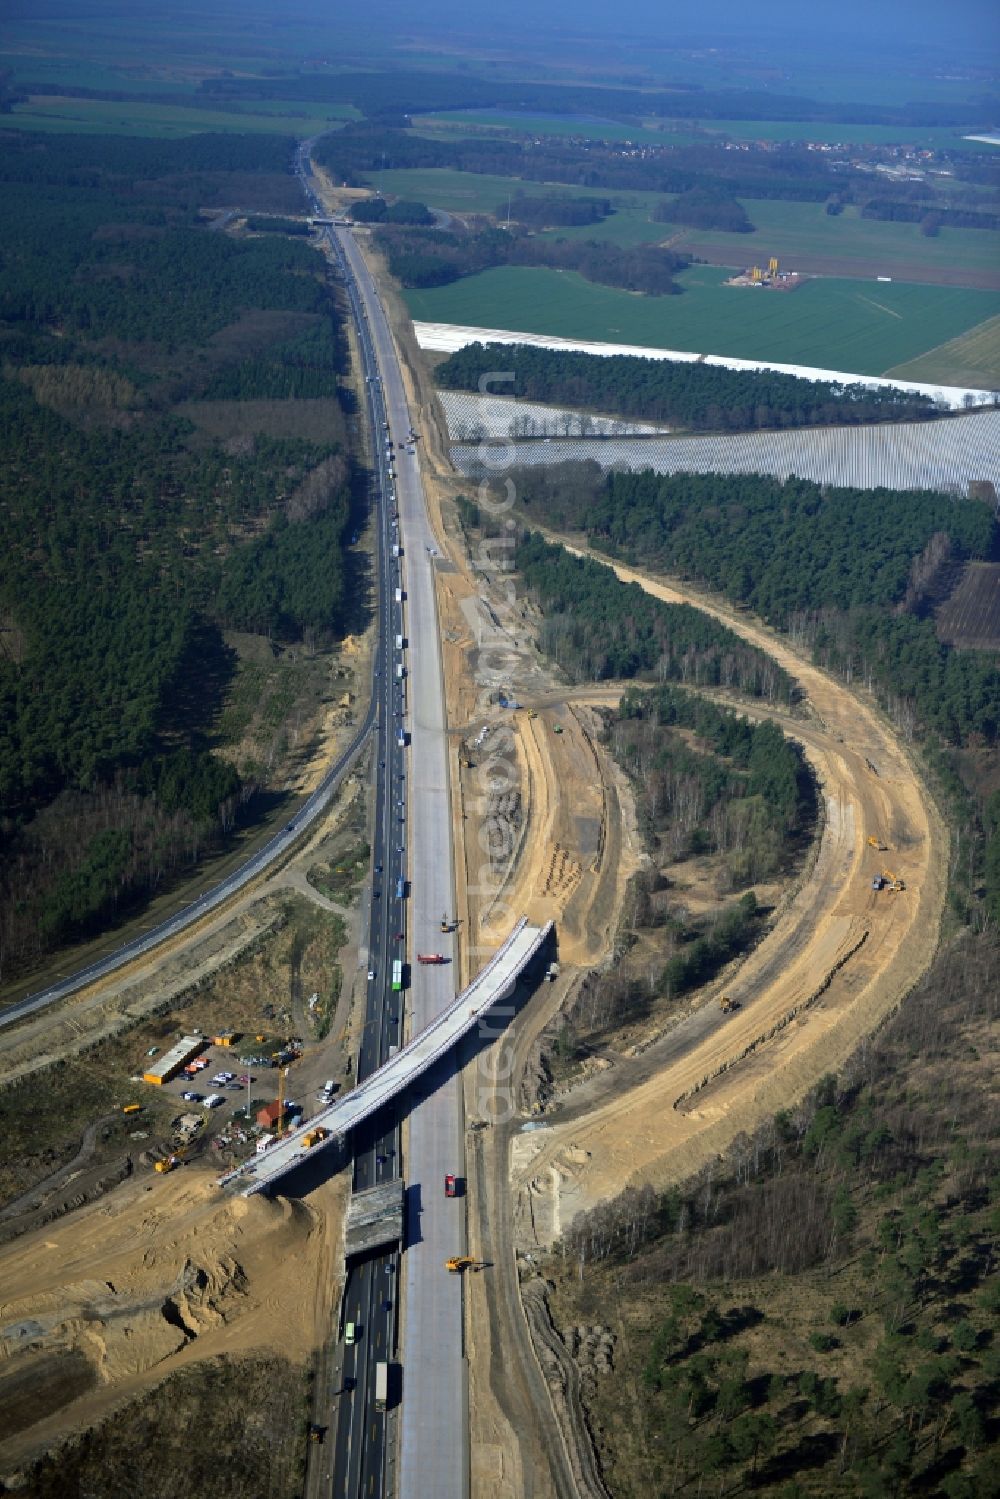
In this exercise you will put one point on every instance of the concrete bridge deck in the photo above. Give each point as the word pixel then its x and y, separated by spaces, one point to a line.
pixel 491 984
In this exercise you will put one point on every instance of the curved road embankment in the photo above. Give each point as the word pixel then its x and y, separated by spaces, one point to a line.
pixel 803 1008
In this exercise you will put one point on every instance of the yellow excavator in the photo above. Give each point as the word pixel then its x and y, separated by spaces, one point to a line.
pixel 892 882
pixel 460 1262
pixel 877 843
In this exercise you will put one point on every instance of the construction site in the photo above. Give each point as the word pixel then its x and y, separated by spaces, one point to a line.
pixel 545 825
pixel 770 277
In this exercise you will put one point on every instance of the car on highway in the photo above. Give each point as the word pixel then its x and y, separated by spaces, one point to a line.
pixel 399 937
pixel 371 975
pixel 450 1186
pixel 351 1333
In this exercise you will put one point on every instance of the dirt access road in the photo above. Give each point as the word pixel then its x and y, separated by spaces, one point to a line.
pixel 801 1014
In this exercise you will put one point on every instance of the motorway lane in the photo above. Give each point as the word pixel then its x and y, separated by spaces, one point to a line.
pixel 370 1297
pixel 434 1446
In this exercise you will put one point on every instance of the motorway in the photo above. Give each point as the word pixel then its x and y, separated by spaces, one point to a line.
pixel 433 1455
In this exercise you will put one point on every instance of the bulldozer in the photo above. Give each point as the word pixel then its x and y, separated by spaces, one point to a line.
pixel 460 1262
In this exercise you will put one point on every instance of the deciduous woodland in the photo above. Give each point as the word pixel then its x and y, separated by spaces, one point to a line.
pixel 130 540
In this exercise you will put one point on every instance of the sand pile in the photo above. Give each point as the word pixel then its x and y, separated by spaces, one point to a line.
pixel 142 1282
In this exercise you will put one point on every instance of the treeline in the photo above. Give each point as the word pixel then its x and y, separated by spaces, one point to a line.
pixel 298 227
pixel 554 211
pixel 847 571
pixel 438 258
pixel 597 629
pixel 784 172
pixel 378 211
pixel 702 397
pixel 179 177
pixel 892 211
pixel 399 93
pixel 883 1179
pixel 700 208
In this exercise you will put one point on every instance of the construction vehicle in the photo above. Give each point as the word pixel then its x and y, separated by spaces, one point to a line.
pixel 460 1262
pixel 447 925
pixel 892 882
pixel 876 844
pixel 727 1005
pixel 167 1164
pixel 313 1136
pixel 431 957
pixel 532 713
pixel 131 1108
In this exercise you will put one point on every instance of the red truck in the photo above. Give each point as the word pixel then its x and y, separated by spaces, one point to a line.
pixel 431 957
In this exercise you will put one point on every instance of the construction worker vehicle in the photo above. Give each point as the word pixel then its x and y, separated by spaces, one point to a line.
pixel 447 924
pixel 460 1262
pixel 313 1136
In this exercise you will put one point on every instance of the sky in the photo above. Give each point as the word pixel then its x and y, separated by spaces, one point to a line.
pixel 961 22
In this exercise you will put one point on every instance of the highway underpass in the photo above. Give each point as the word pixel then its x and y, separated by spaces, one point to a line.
pixel 493 983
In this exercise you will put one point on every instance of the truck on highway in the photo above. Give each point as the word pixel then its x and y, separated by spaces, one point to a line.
pixel 431 957
pixel 397 975
pixel 401 888
pixel 401 738
pixel 398 595
pixel 381 1385
pixel 399 642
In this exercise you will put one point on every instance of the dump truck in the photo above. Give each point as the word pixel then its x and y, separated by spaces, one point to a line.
pixel 727 1005
pixel 313 1136
pixel 460 1262
pixel 431 957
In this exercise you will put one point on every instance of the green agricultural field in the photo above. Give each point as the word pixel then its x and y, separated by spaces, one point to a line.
pixel 830 324
pixel 475 192
pixel 132 117
pixel 971 359
pixel 791 230
pixel 626 227
pixel 509 122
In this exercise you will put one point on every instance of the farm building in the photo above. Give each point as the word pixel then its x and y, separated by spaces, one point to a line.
pixel 173 1060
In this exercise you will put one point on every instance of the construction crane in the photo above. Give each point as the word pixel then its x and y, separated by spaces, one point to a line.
pixel 280 1121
